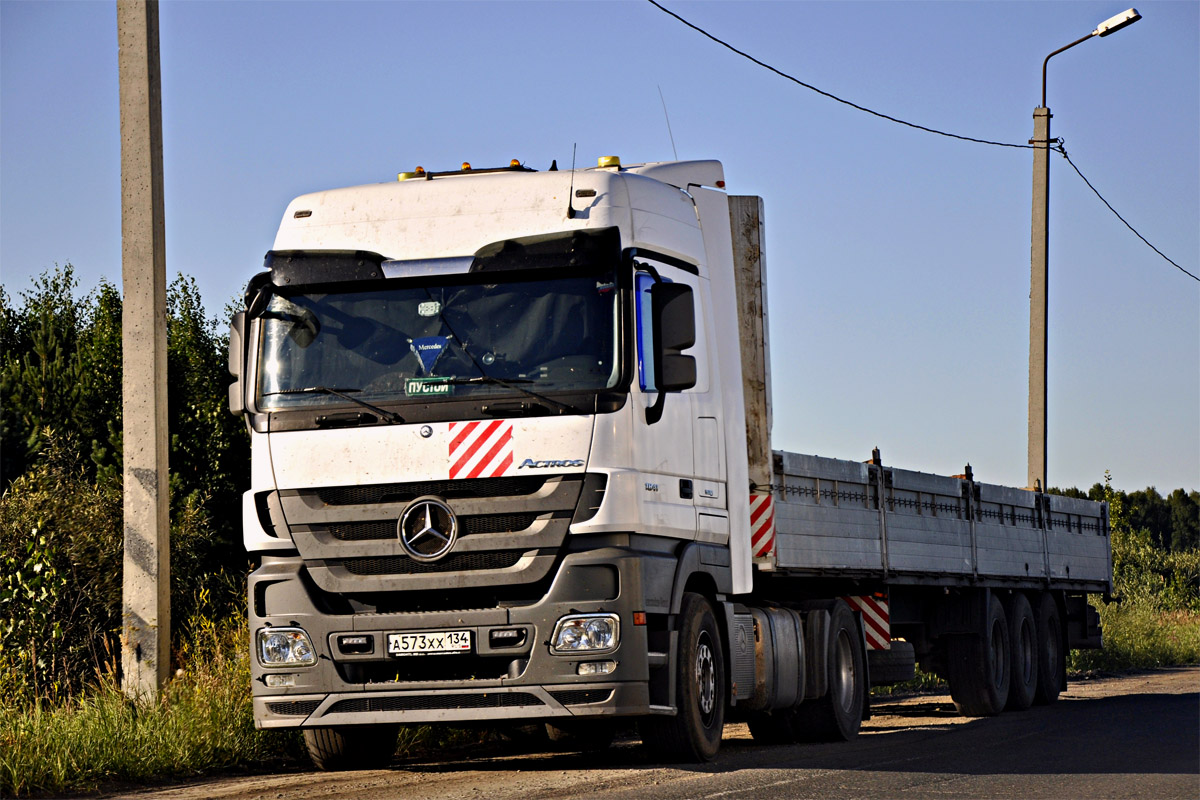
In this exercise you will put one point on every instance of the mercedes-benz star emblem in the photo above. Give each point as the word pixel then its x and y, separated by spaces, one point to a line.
pixel 427 529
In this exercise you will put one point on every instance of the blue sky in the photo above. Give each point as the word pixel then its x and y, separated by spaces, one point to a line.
pixel 898 260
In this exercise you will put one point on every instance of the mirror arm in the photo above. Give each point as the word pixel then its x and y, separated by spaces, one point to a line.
pixel 654 412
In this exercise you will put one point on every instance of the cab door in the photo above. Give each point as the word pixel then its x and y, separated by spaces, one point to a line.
pixel 663 447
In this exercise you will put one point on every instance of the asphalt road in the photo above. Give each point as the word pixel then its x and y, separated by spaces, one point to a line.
pixel 1135 736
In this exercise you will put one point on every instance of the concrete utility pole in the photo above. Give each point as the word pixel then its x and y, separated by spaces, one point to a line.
pixel 1038 297
pixel 146 627
pixel 1039 271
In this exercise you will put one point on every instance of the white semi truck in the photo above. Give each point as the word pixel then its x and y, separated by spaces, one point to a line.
pixel 512 465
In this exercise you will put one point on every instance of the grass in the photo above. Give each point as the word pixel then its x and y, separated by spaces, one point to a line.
pixel 201 722
pixel 1141 637
pixel 921 683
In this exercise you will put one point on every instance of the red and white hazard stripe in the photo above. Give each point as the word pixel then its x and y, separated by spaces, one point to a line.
pixel 762 524
pixel 875 620
pixel 481 449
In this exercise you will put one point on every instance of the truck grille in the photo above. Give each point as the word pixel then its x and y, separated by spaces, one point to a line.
pixel 295 708
pixel 432 702
pixel 510 530
pixel 481 523
pixel 407 492
pixel 403 565
pixel 576 697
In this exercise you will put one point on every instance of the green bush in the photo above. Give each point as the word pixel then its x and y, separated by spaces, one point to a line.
pixel 1156 619
pixel 60 574
pixel 61 531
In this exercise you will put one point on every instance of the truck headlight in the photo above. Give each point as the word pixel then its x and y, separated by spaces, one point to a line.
pixel 586 633
pixel 285 647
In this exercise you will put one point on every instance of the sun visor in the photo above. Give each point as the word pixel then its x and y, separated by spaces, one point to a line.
pixel 306 267
pixel 577 248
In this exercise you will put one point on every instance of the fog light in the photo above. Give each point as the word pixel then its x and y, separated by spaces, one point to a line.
pixel 279 647
pixel 596 668
pixel 594 633
pixel 276 680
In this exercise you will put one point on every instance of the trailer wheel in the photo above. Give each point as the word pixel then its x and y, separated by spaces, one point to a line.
pixel 694 733
pixel 351 746
pixel 1052 656
pixel 1023 639
pixel 979 666
pixel 838 715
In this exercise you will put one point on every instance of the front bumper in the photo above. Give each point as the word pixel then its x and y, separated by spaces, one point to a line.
pixel 498 679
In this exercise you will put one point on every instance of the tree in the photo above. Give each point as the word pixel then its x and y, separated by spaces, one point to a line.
pixel 1149 510
pixel 1185 520
pixel 60 442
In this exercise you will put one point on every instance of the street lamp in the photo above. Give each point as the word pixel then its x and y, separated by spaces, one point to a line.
pixel 1039 242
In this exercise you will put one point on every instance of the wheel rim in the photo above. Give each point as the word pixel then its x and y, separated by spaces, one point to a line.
pixel 706 678
pixel 999 657
pixel 844 672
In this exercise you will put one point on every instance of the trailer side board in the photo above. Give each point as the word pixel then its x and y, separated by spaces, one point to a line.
pixel 873 520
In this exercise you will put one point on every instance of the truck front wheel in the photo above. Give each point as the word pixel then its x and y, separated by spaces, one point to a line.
pixel 351 747
pixel 694 733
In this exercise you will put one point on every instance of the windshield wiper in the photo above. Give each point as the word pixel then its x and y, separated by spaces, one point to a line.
pixel 514 384
pixel 487 379
pixel 390 417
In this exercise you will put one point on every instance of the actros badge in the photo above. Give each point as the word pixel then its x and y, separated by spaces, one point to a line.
pixel 427 529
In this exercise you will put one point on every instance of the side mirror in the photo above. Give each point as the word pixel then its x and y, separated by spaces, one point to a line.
pixel 237 354
pixel 674 320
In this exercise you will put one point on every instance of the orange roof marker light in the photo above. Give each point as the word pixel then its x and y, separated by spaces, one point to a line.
pixel 419 172
pixel 516 162
pixel 466 166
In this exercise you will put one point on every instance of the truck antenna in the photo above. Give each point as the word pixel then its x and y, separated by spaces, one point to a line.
pixel 571 191
pixel 668 118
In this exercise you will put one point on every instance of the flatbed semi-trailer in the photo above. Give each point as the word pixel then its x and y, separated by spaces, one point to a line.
pixel 512 463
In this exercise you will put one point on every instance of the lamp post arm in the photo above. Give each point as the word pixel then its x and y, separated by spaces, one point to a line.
pixel 1080 40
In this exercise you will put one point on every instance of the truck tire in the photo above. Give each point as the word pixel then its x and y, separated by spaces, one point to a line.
pixel 351 746
pixel 979 666
pixel 1023 638
pixel 838 715
pixel 895 665
pixel 694 733
pixel 1052 656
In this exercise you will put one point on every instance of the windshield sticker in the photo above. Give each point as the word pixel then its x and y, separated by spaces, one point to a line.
pixel 428 387
pixel 430 308
pixel 428 349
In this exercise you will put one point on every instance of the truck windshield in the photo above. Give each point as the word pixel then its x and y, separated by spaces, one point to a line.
pixel 483 334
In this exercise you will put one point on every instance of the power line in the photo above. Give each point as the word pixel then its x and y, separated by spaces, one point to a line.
pixel 824 93
pixel 889 118
pixel 1063 150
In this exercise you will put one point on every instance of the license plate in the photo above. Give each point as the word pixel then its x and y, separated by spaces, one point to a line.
pixel 415 644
